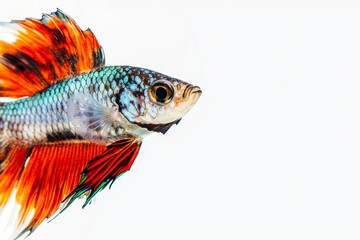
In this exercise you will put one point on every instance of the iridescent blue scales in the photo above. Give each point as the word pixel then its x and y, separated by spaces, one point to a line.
pixel 77 125
pixel 64 110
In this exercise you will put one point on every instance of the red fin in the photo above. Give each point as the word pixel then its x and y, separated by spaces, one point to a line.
pixel 51 173
pixel 12 164
pixel 36 53
pixel 105 168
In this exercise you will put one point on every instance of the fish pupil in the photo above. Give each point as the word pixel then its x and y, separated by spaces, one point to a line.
pixel 161 93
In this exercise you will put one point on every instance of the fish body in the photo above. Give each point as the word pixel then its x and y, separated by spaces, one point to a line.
pixel 110 97
pixel 78 125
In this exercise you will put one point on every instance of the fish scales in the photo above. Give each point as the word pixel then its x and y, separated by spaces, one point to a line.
pixel 44 116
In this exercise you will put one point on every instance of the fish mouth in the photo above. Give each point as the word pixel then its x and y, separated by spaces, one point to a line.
pixel 191 89
pixel 196 89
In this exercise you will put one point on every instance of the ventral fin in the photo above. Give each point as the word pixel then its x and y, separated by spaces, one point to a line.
pixel 51 173
pixel 106 168
pixel 36 53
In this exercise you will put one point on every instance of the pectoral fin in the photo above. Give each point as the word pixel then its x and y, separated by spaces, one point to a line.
pixel 91 119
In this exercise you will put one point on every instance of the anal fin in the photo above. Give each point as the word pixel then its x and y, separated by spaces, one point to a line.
pixel 12 161
pixel 47 176
pixel 51 173
pixel 105 168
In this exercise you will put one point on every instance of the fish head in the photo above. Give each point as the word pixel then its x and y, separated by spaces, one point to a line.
pixel 155 101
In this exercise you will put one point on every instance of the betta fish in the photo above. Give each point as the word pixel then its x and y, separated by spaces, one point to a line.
pixel 75 125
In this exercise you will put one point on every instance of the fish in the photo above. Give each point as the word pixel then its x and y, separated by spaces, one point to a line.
pixel 74 125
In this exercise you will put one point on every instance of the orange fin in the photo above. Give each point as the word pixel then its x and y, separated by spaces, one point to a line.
pixel 36 53
pixel 51 173
pixel 12 161
pixel 106 168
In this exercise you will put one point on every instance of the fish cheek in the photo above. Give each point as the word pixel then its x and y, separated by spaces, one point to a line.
pixel 131 106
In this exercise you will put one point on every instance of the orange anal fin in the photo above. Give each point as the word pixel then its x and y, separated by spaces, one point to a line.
pixel 12 164
pixel 51 173
pixel 105 168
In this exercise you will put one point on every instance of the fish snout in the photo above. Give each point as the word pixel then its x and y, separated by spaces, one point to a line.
pixel 191 89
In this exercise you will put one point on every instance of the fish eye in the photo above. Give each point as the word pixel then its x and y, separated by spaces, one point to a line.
pixel 161 93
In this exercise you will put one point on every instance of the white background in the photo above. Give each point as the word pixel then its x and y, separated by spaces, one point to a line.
pixel 271 150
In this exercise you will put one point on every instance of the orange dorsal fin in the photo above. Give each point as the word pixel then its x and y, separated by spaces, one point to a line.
pixel 36 53
pixel 52 173
pixel 105 168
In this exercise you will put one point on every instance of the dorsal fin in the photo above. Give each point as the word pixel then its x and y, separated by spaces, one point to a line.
pixel 36 53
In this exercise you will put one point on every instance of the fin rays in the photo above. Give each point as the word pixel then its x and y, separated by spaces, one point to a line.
pixel 60 173
pixel 12 164
pixel 90 119
pixel 106 168
pixel 36 53
pixel 51 173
